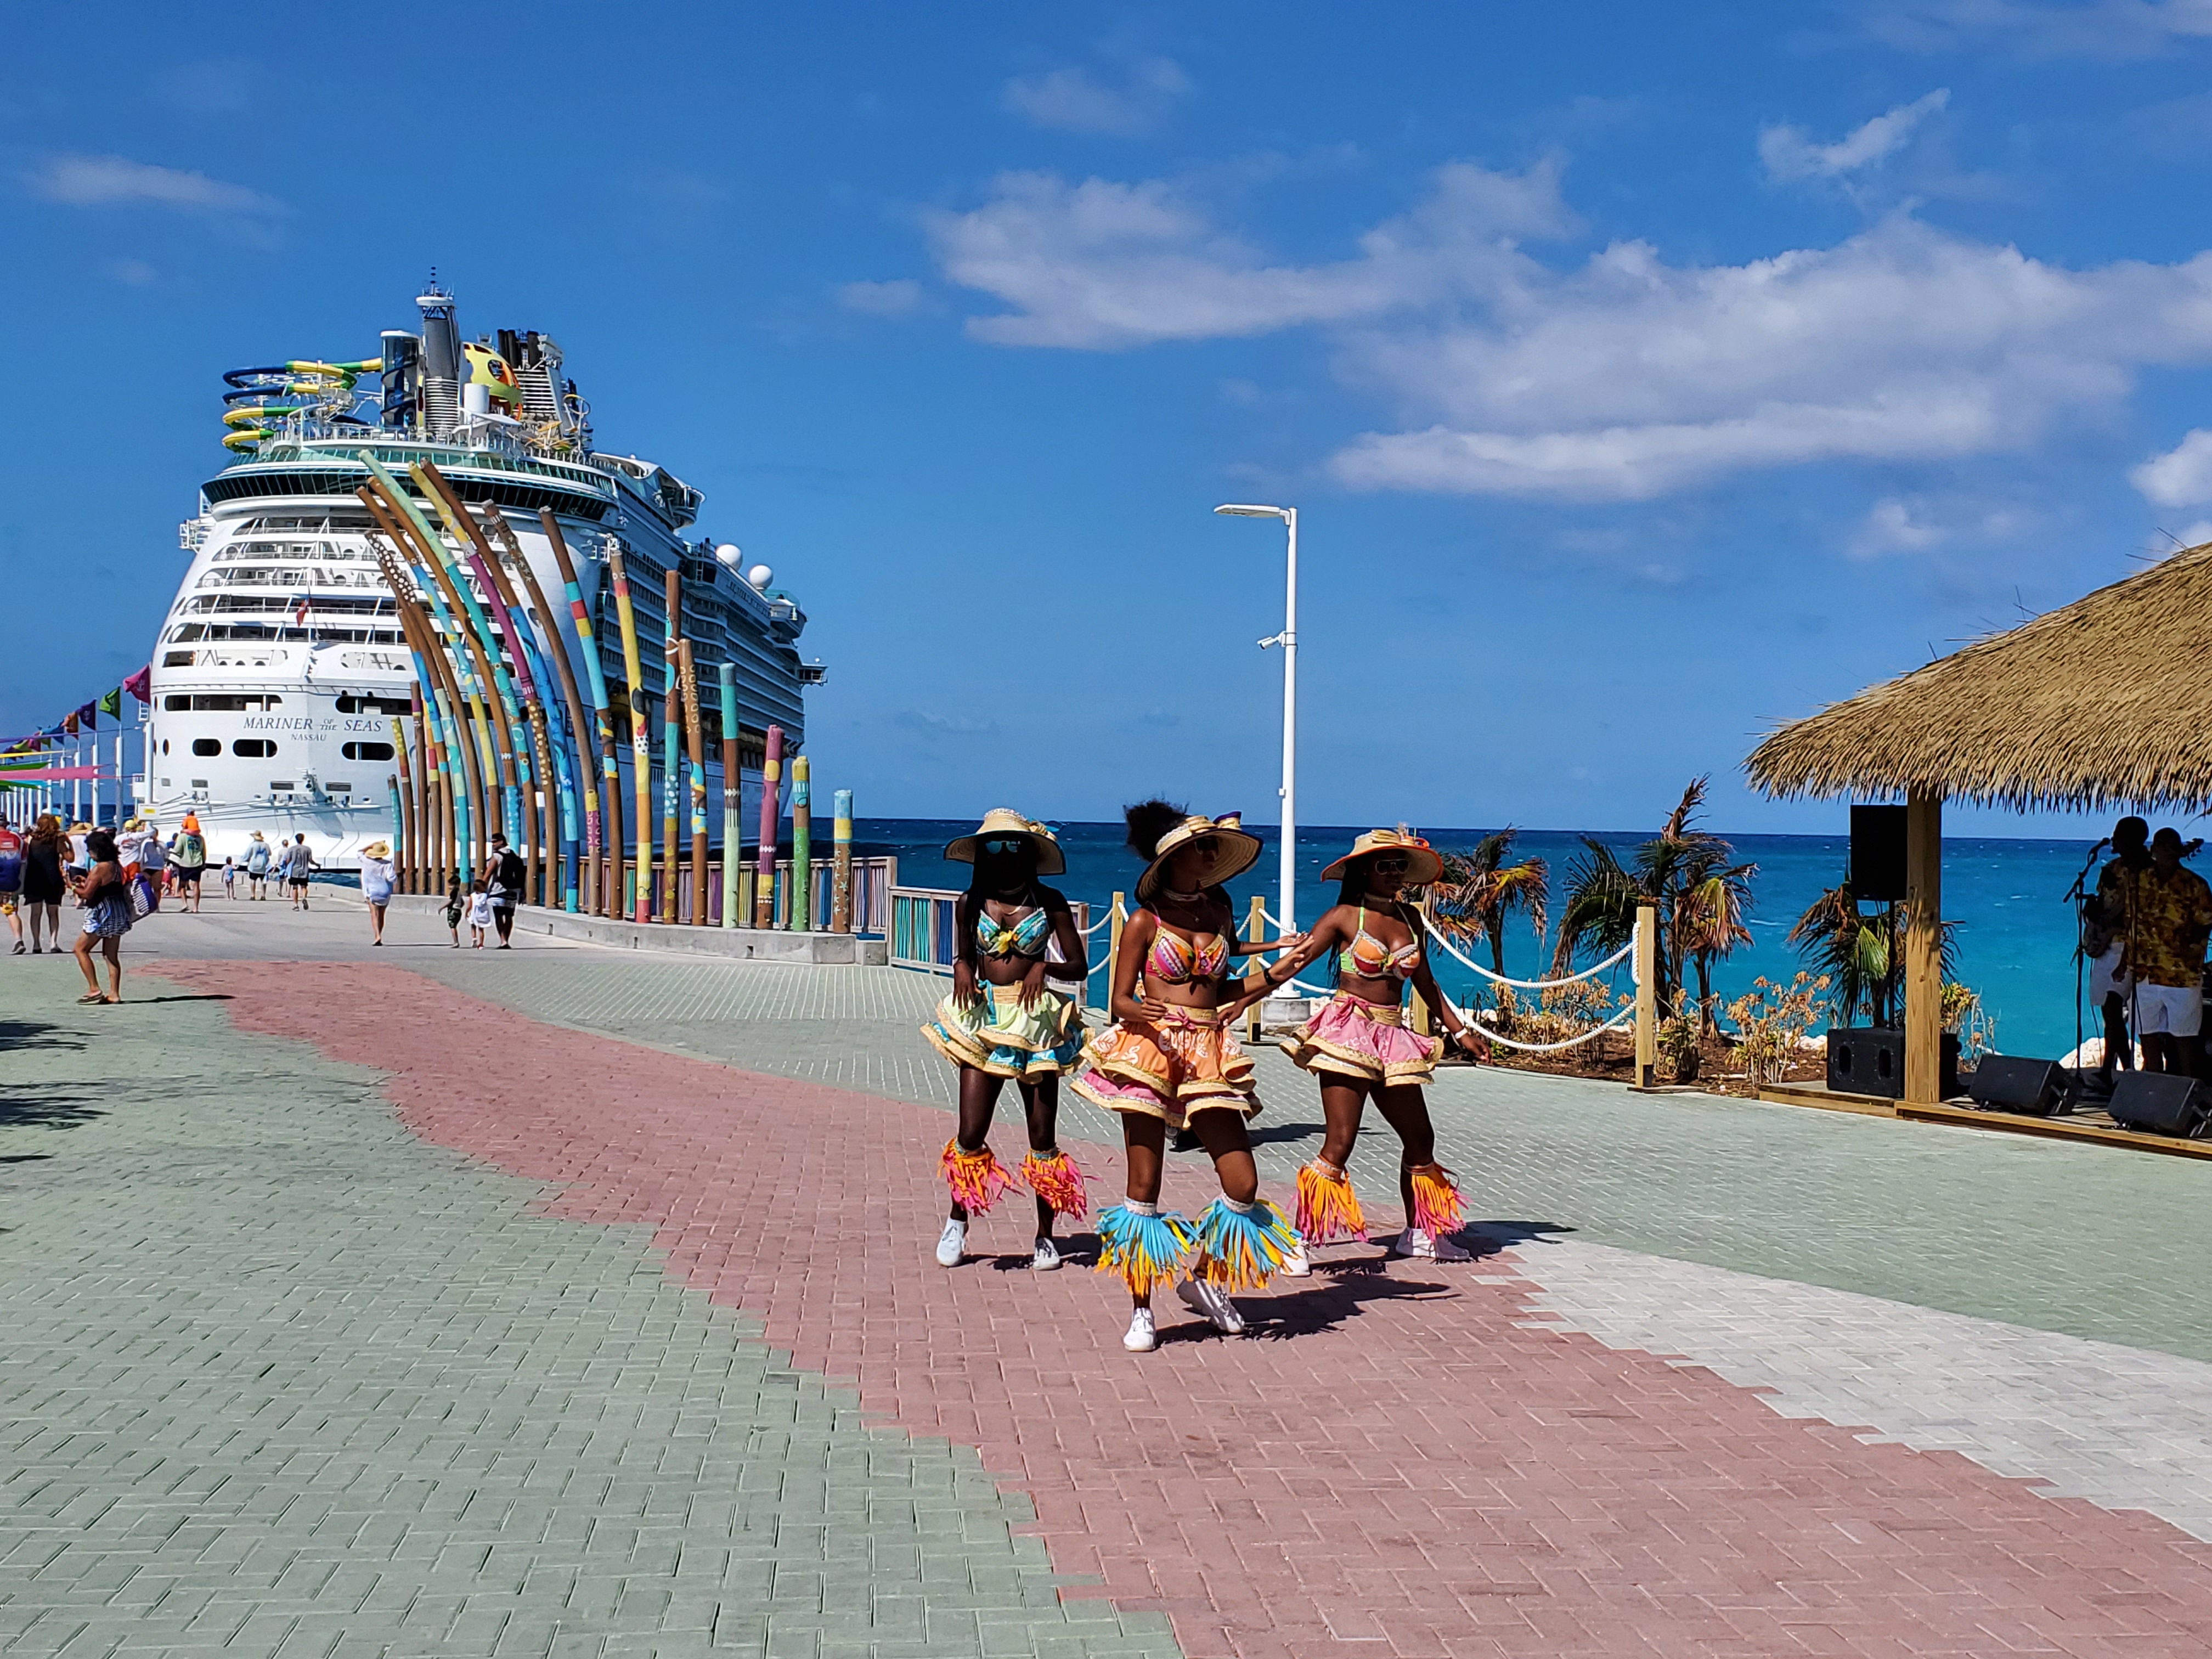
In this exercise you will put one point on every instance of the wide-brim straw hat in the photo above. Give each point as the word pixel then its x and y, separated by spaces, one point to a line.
pixel 376 849
pixel 1423 863
pixel 256 834
pixel 1240 850
pixel 1001 823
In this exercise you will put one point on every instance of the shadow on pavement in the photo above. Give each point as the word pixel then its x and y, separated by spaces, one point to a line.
pixel 47 1109
pixel 36 1034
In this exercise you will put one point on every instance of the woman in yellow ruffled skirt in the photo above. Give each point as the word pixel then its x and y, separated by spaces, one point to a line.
pixel 1001 1021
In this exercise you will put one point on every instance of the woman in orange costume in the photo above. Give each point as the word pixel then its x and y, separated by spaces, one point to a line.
pixel 1359 1046
pixel 1170 1060
pixel 1002 1021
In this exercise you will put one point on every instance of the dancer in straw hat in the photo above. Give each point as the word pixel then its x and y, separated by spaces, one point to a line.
pixel 1170 1059
pixel 1002 1021
pixel 1359 1046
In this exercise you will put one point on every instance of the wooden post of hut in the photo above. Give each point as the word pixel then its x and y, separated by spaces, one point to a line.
pixel 1923 947
pixel 1647 992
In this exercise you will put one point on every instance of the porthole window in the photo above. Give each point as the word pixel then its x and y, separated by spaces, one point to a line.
pixel 253 747
pixel 368 751
pixel 165 745
pixel 207 746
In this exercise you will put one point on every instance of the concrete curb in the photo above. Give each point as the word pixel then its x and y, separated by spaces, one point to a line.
pixel 739 944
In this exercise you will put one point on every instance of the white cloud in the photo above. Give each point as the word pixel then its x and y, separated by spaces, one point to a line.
pixel 2180 477
pixel 2195 535
pixel 1624 377
pixel 1789 155
pixel 136 273
pixel 1896 526
pixel 2101 29
pixel 115 181
pixel 893 299
pixel 1069 99
pixel 1101 266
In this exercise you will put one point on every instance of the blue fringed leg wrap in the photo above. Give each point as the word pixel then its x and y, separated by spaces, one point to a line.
pixel 1143 1246
pixel 1243 1245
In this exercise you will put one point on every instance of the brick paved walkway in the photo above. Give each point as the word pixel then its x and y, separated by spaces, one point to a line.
pixel 1412 1465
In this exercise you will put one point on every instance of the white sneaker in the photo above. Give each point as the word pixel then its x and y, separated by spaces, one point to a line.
pixel 1047 1257
pixel 1295 1265
pixel 1415 1241
pixel 1141 1337
pixel 1208 1302
pixel 953 1243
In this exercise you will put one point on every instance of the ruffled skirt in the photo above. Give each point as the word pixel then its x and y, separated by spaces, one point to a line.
pixel 1189 1062
pixel 998 1035
pixel 1353 1037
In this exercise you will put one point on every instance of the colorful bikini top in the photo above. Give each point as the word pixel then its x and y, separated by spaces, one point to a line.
pixel 1025 938
pixel 1175 960
pixel 1369 957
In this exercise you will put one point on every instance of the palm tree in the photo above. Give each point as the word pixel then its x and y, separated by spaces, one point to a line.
pixel 1478 891
pixel 1861 954
pixel 1702 894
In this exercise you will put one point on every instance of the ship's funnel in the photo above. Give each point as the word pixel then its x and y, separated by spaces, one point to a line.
pixel 402 379
pixel 442 361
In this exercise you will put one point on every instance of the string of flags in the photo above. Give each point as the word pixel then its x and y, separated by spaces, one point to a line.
pixel 25 759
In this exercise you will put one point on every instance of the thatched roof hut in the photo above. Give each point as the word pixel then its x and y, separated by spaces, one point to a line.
pixel 2103 702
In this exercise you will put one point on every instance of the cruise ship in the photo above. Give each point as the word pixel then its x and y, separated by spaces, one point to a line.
pixel 281 663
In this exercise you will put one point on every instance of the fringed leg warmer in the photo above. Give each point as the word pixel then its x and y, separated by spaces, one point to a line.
pixel 1437 1208
pixel 1327 1208
pixel 1053 1178
pixel 1143 1246
pixel 976 1178
pixel 1243 1245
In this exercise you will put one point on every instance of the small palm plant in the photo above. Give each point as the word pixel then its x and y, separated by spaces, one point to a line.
pixel 1861 953
pixel 1478 890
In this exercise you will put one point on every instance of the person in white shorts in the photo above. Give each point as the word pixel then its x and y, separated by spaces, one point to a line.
pixel 2104 927
pixel 2168 923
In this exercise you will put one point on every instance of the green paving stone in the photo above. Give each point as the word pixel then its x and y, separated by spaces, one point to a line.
pixel 280 1379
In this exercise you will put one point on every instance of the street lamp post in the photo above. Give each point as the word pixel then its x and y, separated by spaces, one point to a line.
pixel 1288 639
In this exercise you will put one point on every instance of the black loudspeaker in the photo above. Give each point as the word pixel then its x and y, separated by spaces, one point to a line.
pixel 2007 1083
pixel 1866 1060
pixel 2159 1102
pixel 1869 1060
pixel 1877 866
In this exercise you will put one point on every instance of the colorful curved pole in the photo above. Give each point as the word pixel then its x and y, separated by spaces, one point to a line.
pixel 695 732
pixel 641 743
pixel 764 872
pixel 578 778
pixel 433 669
pixel 602 836
pixel 802 847
pixel 672 635
pixel 732 796
pixel 840 878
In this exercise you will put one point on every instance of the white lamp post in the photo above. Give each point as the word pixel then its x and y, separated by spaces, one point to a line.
pixel 1288 639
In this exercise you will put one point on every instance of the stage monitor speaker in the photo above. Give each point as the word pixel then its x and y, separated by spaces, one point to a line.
pixel 1877 864
pixel 1866 1060
pixel 2159 1102
pixel 2007 1083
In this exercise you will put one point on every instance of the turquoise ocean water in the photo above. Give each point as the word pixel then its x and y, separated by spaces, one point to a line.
pixel 2015 930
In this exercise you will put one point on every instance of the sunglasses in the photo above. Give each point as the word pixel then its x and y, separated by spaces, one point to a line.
pixel 1391 861
pixel 1007 848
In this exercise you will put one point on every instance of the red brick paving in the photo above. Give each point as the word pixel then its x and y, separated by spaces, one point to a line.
pixel 1398 1463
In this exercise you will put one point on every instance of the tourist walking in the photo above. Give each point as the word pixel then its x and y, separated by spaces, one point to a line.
pixel 509 875
pixel 189 856
pixel 11 883
pixel 45 853
pixel 153 861
pixel 229 877
pixel 1359 1047
pixel 456 906
pixel 1002 1021
pixel 377 880
pixel 1170 1060
pixel 299 861
pixel 480 912
pixel 2169 919
pixel 256 867
pixel 105 892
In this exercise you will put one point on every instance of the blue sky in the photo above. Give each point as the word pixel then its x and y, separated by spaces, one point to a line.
pixel 1643 374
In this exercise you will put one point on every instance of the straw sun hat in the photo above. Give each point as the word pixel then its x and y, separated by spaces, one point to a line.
pixel 377 849
pixel 1004 823
pixel 1422 864
pixel 1240 850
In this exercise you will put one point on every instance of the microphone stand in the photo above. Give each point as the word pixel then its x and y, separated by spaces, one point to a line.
pixel 2077 896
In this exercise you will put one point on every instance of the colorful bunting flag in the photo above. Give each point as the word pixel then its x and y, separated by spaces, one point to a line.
pixel 111 704
pixel 140 685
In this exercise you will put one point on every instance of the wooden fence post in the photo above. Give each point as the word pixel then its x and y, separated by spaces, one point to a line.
pixel 1647 992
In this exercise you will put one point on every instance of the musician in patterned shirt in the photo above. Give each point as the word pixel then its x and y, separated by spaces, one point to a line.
pixel 2169 919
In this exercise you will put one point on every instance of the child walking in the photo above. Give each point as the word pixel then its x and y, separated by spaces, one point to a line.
pixel 480 917
pixel 456 902
pixel 230 878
